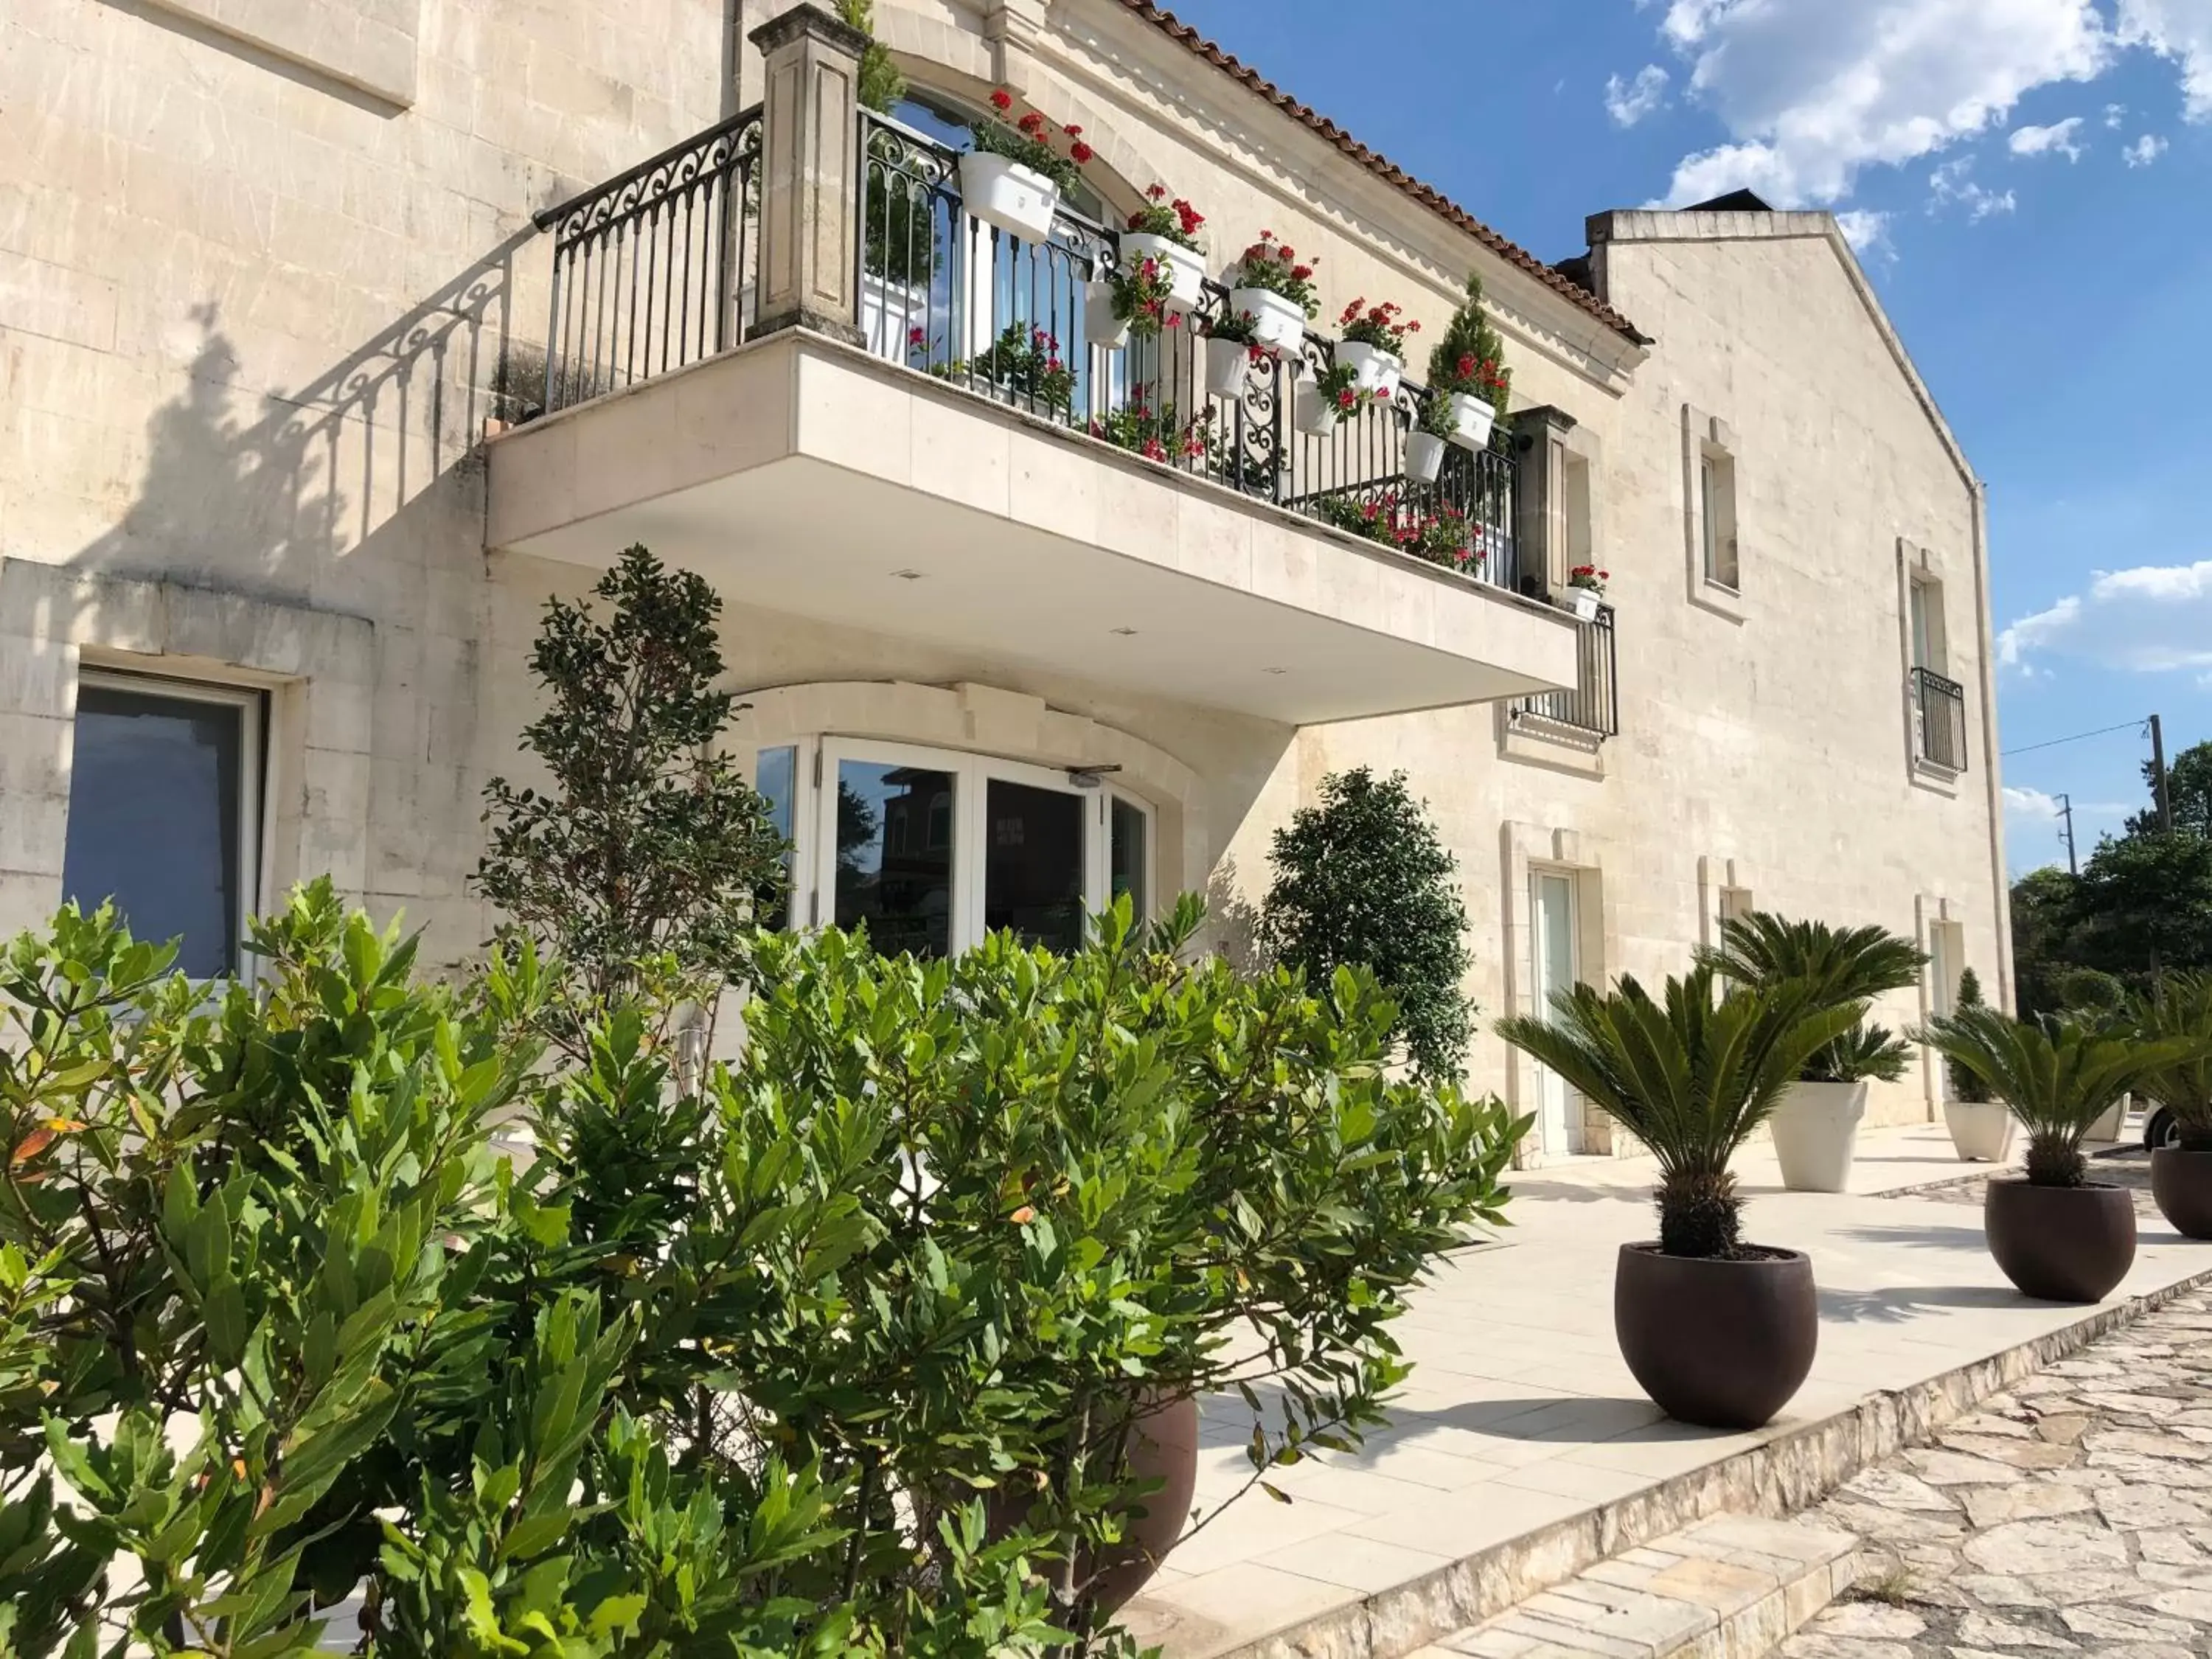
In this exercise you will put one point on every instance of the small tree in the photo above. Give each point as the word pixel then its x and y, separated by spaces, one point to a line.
pixel 882 86
pixel 1364 879
pixel 642 866
pixel 1966 1084
pixel 1468 338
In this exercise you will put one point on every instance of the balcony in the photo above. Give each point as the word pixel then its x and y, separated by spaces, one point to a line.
pixel 1939 721
pixel 1589 712
pixel 953 458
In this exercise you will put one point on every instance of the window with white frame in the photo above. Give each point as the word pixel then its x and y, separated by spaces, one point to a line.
pixel 165 811
pixel 1716 516
pixel 931 850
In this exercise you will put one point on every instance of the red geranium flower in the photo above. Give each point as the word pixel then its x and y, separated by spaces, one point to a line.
pixel 1157 193
pixel 1073 130
pixel 1002 100
pixel 1081 152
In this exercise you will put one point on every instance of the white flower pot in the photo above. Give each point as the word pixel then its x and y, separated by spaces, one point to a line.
pixel 1424 457
pixel 2113 1124
pixel 1279 323
pixel 1378 371
pixel 1316 415
pixel 1227 363
pixel 1816 1129
pixel 1980 1128
pixel 1100 326
pixel 1186 268
pixel 1584 602
pixel 1017 199
pixel 1472 417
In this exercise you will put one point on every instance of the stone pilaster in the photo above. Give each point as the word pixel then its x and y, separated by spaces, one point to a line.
pixel 1012 28
pixel 810 175
pixel 1540 513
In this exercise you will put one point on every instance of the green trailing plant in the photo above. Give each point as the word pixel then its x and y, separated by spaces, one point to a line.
pixel 2178 1009
pixel 2058 1076
pixel 1155 434
pixel 1845 967
pixel 1692 1077
pixel 1965 1084
pixel 646 856
pixel 1469 357
pixel 1024 365
pixel 1362 878
pixel 1142 288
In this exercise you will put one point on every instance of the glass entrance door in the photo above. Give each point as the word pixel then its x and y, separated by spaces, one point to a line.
pixel 888 849
pixel 1034 866
pixel 1553 909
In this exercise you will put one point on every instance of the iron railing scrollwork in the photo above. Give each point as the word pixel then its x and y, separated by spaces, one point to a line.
pixel 1939 719
pixel 652 270
pixel 1592 709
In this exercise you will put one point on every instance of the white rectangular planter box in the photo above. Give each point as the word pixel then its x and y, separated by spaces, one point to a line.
pixel 1004 193
pixel 1279 323
pixel 1186 268
pixel 1379 372
pixel 1472 419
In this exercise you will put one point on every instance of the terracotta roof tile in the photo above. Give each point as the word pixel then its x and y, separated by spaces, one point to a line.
pixel 1383 167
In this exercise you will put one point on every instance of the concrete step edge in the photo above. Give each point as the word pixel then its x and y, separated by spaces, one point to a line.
pixel 1735 1587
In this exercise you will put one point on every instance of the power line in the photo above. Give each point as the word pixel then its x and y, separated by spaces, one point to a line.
pixel 2102 731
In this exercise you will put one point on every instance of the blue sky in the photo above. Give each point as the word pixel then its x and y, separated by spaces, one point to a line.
pixel 2031 184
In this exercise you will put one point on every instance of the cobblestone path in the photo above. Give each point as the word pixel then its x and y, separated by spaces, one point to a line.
pixel 2070 1514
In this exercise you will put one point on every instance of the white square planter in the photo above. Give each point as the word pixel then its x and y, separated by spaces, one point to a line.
pixel 1186 268
pixel 1101 327
pixel 1584 602
pixel 890 313
pixel 1015 198
pixel 1317 416
pixel 1378 371
pixel 1472 419
pixel 1279 323
pixel 1227 363
pixel 1424 457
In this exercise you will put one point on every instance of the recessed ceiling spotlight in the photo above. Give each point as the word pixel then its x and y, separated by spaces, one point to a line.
pixel 1126 633
pixel 1274 670
pixel 907 575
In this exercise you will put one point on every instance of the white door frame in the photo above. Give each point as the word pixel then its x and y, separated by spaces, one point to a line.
pixel 1541 986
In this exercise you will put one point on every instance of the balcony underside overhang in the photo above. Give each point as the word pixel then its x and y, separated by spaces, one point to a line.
pixel 802 477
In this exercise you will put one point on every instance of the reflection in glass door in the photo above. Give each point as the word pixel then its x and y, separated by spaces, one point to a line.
pixel 894 855
pixel 1552 902
pixel 1033 863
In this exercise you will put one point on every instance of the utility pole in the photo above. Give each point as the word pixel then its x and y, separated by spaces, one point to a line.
pixel 2066 811
pixel 2158 796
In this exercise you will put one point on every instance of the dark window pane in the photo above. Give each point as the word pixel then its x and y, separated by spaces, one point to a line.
pixel 1128 872
pixel 154 819
pixel 776 777
pixel 895 855
pixel 1033 865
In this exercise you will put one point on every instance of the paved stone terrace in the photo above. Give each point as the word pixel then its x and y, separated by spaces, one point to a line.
pixel 2072 1514
pixel 1520 1417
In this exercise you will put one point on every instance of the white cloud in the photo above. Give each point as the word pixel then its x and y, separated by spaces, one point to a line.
pixel 2056 139
pixel 2145 151
pixel 2181 30
pixel 2152 619
pixel 1953 184
pixel 1630 101
pixel 1811 91
pixel 2114 114
pixel 1867 231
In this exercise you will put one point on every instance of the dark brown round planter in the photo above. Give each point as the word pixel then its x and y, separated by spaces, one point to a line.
pixel 2181 1182
pixel 1163 1446
pixel 2061 1243
pixel 1721 1343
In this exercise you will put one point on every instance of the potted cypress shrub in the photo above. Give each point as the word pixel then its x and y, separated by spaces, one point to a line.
pixel 1276 289
pixel 2058 1236
pixel 1981 1125
pixel 1816 1127
pixel 2179 1008
pixel 1014 178
pixel 1466 369
pixel 1719 1332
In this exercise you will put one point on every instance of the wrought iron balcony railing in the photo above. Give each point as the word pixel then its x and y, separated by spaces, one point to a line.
pixel 654 269
pixel 1592 709
pixel 1939 719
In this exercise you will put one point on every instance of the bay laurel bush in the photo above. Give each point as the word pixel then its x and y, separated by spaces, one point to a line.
pixel 833 1349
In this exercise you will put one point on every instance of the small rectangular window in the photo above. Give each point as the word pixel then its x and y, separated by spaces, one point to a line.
pixel 1717 517
pixel 164 813
pixel 775 775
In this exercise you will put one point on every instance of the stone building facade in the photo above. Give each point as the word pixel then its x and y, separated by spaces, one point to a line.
pixel 285 482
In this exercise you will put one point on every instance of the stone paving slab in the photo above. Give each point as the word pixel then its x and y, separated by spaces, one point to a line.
pixel 2069 1513
pixel 1522 1452
pixel 1731 1587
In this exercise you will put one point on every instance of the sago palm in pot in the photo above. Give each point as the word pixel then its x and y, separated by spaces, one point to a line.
pixel 1816 1126
pixel 2057 1234
pixel 1718 1331
pixel 2178 1009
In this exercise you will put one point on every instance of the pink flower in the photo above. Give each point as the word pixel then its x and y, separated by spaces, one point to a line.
pixel 1154 450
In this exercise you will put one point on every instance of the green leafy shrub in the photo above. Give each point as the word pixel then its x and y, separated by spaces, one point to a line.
pixel 1966 1083
pixel 1362 877
pixel 2178 1009
pixel 1691 1078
